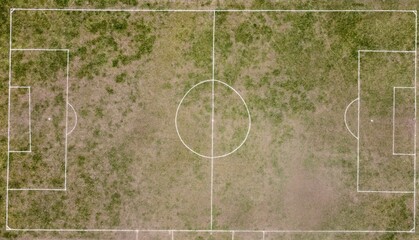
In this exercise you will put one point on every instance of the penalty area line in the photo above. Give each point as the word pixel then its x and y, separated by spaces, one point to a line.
pixel 384 191
pixel 37 189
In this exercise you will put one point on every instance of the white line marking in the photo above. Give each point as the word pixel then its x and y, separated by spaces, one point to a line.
pixel 384 191
pixel 213 45
pixel 208 231
pixel 36 189
pixel 75 119
pixel 394 113
pixel 40 49
pixel 66 107
pixel 212 117
pixel 8 121
pixel 30 121
pixel 66 120
pixel 13 151
pixel 345 118
pixel 136 235
pixel 359 133
pixel 245 105
pixel 173 235
pixel 207 10
pixel 232 235
pixel 414 144
pixel 179 10
pixel 263 235
pixel 387 51
pixel 404 154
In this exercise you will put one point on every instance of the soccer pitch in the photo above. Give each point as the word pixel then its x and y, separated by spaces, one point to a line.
pixel 218 124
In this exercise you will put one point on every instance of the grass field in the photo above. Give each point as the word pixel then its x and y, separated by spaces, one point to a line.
pixel 211 124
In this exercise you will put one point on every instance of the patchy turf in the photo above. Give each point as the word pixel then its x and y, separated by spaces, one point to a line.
pixel 127 169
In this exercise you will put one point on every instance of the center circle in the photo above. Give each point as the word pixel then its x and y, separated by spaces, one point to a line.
pixel 220 116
